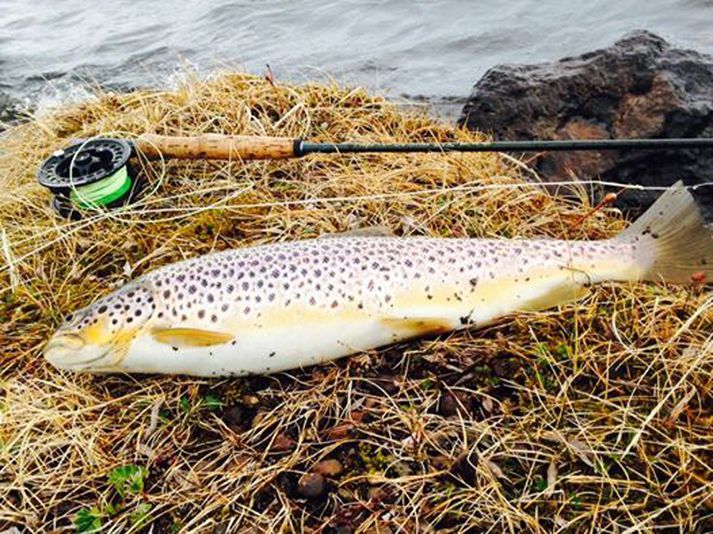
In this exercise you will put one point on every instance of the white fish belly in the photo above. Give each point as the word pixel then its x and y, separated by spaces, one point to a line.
pixel 259 350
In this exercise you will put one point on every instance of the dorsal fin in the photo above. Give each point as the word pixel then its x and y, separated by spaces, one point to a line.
pixel 366 231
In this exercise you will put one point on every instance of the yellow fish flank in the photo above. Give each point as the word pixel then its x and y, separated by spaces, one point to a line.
pixel 290 305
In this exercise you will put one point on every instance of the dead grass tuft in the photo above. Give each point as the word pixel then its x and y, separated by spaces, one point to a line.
pixel 596 416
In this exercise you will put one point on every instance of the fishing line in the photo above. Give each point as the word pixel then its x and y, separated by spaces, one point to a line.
pixel 70 228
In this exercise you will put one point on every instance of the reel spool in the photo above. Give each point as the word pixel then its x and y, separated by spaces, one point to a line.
pixel 90 175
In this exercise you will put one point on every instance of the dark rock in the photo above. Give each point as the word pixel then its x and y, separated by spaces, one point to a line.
pixel 639 87
pixel 283 443
pixel 311 485
pixel 234 417
pixel 453 403
pixel 10 110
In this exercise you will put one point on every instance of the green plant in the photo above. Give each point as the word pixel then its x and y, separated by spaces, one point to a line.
pixel 212 402
pixel 88 520
pixel 184 404
pixel 128 479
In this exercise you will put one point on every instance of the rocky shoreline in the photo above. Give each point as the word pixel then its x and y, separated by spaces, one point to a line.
pixel 640 87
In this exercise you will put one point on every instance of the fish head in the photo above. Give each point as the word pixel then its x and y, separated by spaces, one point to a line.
pixel 97 338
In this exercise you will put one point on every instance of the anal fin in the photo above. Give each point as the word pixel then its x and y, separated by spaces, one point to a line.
pixel 556 296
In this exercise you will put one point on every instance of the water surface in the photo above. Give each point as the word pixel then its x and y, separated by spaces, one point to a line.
pixel 430 49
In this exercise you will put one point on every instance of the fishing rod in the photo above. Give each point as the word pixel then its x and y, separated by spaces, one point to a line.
pixel 96 172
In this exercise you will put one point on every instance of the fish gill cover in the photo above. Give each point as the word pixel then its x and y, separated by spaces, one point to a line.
pixel 596 415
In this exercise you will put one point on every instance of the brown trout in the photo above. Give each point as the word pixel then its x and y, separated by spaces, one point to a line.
pixel 291 305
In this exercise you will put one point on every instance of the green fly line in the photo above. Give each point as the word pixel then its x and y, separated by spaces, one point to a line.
pixel 103 192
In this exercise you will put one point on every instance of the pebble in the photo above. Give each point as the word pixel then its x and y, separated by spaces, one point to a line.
pixel 283 442
pixel 310 485
pixel 328 468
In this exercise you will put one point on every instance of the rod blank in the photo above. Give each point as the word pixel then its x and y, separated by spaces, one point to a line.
pixel 509 146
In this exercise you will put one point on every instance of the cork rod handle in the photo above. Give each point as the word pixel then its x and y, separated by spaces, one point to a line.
pixel 215 146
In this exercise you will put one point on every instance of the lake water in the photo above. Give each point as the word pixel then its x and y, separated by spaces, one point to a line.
pixel 434 50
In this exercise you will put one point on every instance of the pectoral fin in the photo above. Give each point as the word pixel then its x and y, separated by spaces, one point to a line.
pixel 190 337
pixel 417 326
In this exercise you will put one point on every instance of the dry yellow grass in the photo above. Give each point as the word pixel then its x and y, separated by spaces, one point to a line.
pixel 593 417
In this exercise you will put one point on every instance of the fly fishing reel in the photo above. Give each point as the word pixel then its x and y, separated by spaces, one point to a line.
pixel 90 175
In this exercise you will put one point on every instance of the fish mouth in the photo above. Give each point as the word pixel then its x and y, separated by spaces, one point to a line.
pixel 67 342
pixel 65 350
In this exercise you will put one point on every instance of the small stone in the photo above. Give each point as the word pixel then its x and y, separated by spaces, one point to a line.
pixel 377 494
pixel 505 367
pixel 283 442
pixel 233 417
pixel 310 485
pixel 440 462
pixel 339 431
pixel 452 403
pixel 250 400
pixel 328 468
pixel 357 416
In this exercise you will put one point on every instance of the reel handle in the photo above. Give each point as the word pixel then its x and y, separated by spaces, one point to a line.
pixel 216 146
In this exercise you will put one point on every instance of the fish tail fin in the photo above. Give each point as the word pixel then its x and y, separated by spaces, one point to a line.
pixel 671 241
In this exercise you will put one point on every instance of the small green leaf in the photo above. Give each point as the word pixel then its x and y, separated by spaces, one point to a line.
pixel 575 501
pixel 212 402
pixel 540 485
pixel 128 479
pixel 426 383
pixel 563 351
pixel 88 520
pixel 184 404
